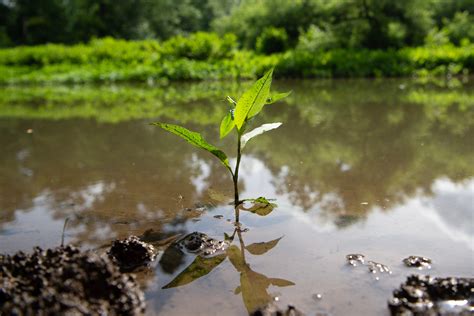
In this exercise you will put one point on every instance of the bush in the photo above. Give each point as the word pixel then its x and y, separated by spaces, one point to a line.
pixel 272 40
pixel 201 46
pixel 316 39
pixel 204 56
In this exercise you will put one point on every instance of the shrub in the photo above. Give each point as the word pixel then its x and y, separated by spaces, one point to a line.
pixel 272 40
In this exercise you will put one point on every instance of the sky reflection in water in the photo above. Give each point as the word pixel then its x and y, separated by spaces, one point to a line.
pixel 358 166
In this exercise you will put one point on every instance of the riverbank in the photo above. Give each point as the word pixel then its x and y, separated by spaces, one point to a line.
pixel 206 56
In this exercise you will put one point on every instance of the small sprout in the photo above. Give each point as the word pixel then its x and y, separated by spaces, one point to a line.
pixel 248 105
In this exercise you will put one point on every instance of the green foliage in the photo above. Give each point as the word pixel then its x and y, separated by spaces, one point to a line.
pixel 227 125
pixel 201 46
pixel 272 40
pixel 249 105
pixel 206 56
pixel 315 39
pixel 253 100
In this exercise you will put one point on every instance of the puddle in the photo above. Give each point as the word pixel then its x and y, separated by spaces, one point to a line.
pixel 358 167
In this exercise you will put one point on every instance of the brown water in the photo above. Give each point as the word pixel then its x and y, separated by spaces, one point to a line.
pixel 381 168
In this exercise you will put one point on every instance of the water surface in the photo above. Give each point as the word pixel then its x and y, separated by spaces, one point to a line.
pixel 383 168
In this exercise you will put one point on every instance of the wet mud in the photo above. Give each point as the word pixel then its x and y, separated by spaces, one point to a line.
pixel 131 253
pixel 273 310
pixel 425 295
pixel 418 262
pixel 66 281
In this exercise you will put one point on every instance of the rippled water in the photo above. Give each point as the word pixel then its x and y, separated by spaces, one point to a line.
pixel 379 168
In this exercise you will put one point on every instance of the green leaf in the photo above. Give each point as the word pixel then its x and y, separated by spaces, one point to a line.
pixel 227 125
pixel 276 97
pixel 253 100
pixel 258 131
pixel 197 269
pixel 194 139
pixel 260 248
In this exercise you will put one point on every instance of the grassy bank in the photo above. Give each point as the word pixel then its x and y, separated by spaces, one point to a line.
pixel 205 56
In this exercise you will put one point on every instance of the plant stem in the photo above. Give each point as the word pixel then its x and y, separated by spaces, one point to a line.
pixel 236 180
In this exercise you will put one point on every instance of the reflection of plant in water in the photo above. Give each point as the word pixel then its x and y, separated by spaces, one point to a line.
pixel 253 285
pixel 248 106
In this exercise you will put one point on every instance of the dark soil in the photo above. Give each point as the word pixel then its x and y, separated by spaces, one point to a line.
pixel 425 295
pixel 273 310
pixel 131 253
pixel 65 280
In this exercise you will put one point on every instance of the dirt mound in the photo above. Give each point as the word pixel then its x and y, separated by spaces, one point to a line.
pixel 131 253
pixel 65 280
pixel 425 295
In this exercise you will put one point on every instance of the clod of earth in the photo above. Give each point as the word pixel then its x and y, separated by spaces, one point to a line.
pixel 355 258
pixel 66 281
pixel 374 267
pixel 273 310
pixel 131 253
pixel 417 262
pixel 201 244
pixel 425 295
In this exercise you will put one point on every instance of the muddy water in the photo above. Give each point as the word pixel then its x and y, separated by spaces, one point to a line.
pixel 379 168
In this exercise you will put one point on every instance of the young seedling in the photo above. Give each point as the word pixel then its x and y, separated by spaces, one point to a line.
pixel 238 118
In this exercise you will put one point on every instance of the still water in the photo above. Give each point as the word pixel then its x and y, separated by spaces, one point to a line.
pixel 382 168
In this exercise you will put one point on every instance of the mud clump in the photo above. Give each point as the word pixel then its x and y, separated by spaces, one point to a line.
pixel 425 295
pixel 201 244
pixel 417 262
pixel 273 310
pixel 131 253
pixel 66 281
pixel 355 258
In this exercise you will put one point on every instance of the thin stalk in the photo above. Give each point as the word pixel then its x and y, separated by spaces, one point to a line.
pixel 235 178
pixel 242 245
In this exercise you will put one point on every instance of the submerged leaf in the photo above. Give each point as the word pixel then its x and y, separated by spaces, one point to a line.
pixel 276 97
pixel 194 139
pixel 198 268
pixel 227 125
pixel 258 131
pixel 253 100
pixel 262 247
pixel 261 206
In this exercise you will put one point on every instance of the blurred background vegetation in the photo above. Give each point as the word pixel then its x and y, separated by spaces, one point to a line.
pixel 212 39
